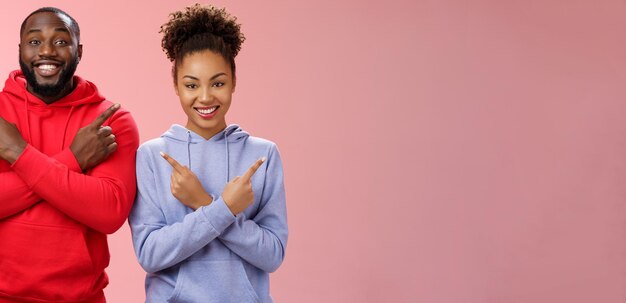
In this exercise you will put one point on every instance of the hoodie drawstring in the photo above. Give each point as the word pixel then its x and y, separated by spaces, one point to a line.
pixel 67 122
pixel 30 138
pixel 227 157
pixel 189 149
pixel 189 141
pixel 227 153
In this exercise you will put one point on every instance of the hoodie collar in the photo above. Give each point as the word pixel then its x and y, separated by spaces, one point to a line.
pixel 84 92
pixel 181 134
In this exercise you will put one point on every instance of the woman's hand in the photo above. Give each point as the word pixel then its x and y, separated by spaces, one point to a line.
pixel 185 185
pixel 238 194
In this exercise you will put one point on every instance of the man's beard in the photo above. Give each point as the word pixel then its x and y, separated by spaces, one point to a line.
pixel 49 90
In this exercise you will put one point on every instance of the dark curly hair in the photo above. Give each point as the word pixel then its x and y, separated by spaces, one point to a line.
pixel 198 28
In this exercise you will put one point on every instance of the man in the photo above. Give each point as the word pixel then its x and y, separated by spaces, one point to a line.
pixel 67 171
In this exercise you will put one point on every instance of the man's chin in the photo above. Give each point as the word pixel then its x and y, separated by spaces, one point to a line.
pixel 47 82
pixel 47 89
pixel 49 86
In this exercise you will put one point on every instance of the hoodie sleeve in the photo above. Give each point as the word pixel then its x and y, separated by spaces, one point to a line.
pixel 261 240
pixel 16 195
pixel 100 199
pixel 159 245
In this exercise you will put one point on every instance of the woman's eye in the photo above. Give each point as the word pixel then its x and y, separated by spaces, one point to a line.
pixel 191 86
pixel 61 42
pixel 218 84
pixel 33 42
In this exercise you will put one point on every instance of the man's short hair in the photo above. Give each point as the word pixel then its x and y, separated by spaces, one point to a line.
pixel 73 25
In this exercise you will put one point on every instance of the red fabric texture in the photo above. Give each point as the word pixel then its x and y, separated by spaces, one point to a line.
pixel 53 217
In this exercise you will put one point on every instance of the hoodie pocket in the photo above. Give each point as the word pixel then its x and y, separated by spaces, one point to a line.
pixel 44 262
pixel 213 281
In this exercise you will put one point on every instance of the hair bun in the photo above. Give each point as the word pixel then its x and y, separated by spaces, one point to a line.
pixel 197 20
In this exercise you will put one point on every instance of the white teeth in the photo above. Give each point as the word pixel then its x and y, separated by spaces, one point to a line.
pixel 47 67
pixel 207 110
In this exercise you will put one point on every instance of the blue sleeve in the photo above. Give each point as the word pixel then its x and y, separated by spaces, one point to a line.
pixel 262 240
pixel 159 245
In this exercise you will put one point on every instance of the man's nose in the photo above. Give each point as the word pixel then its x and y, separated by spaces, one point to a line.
pixel 47 49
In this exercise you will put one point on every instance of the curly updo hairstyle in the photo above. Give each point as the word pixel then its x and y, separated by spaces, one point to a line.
pixel 198 28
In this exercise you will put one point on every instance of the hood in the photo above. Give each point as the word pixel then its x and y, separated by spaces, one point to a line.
pixel 180 134
pixel 83 93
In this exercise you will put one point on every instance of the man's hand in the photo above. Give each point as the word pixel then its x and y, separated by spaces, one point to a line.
pixel 94 142
pixel 185 185
pixel 11 142
pixel 238 194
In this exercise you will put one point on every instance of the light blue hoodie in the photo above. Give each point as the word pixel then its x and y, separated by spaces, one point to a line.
pixel 208 255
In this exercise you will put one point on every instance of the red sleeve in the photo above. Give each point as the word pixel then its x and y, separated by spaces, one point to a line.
pixel 15 195
pixel 101 198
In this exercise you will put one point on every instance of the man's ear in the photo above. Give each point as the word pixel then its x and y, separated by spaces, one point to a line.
pixel 80 52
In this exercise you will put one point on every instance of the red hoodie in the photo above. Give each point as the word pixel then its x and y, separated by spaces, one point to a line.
pixel 53 217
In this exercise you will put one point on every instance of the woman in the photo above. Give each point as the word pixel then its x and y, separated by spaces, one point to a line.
pixel 212 228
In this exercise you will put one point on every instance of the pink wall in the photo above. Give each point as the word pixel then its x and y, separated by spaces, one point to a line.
pixel 435 151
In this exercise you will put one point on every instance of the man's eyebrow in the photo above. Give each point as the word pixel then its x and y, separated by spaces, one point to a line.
pixel 57 29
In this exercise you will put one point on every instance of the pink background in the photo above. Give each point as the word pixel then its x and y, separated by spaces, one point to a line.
pixel 434 151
